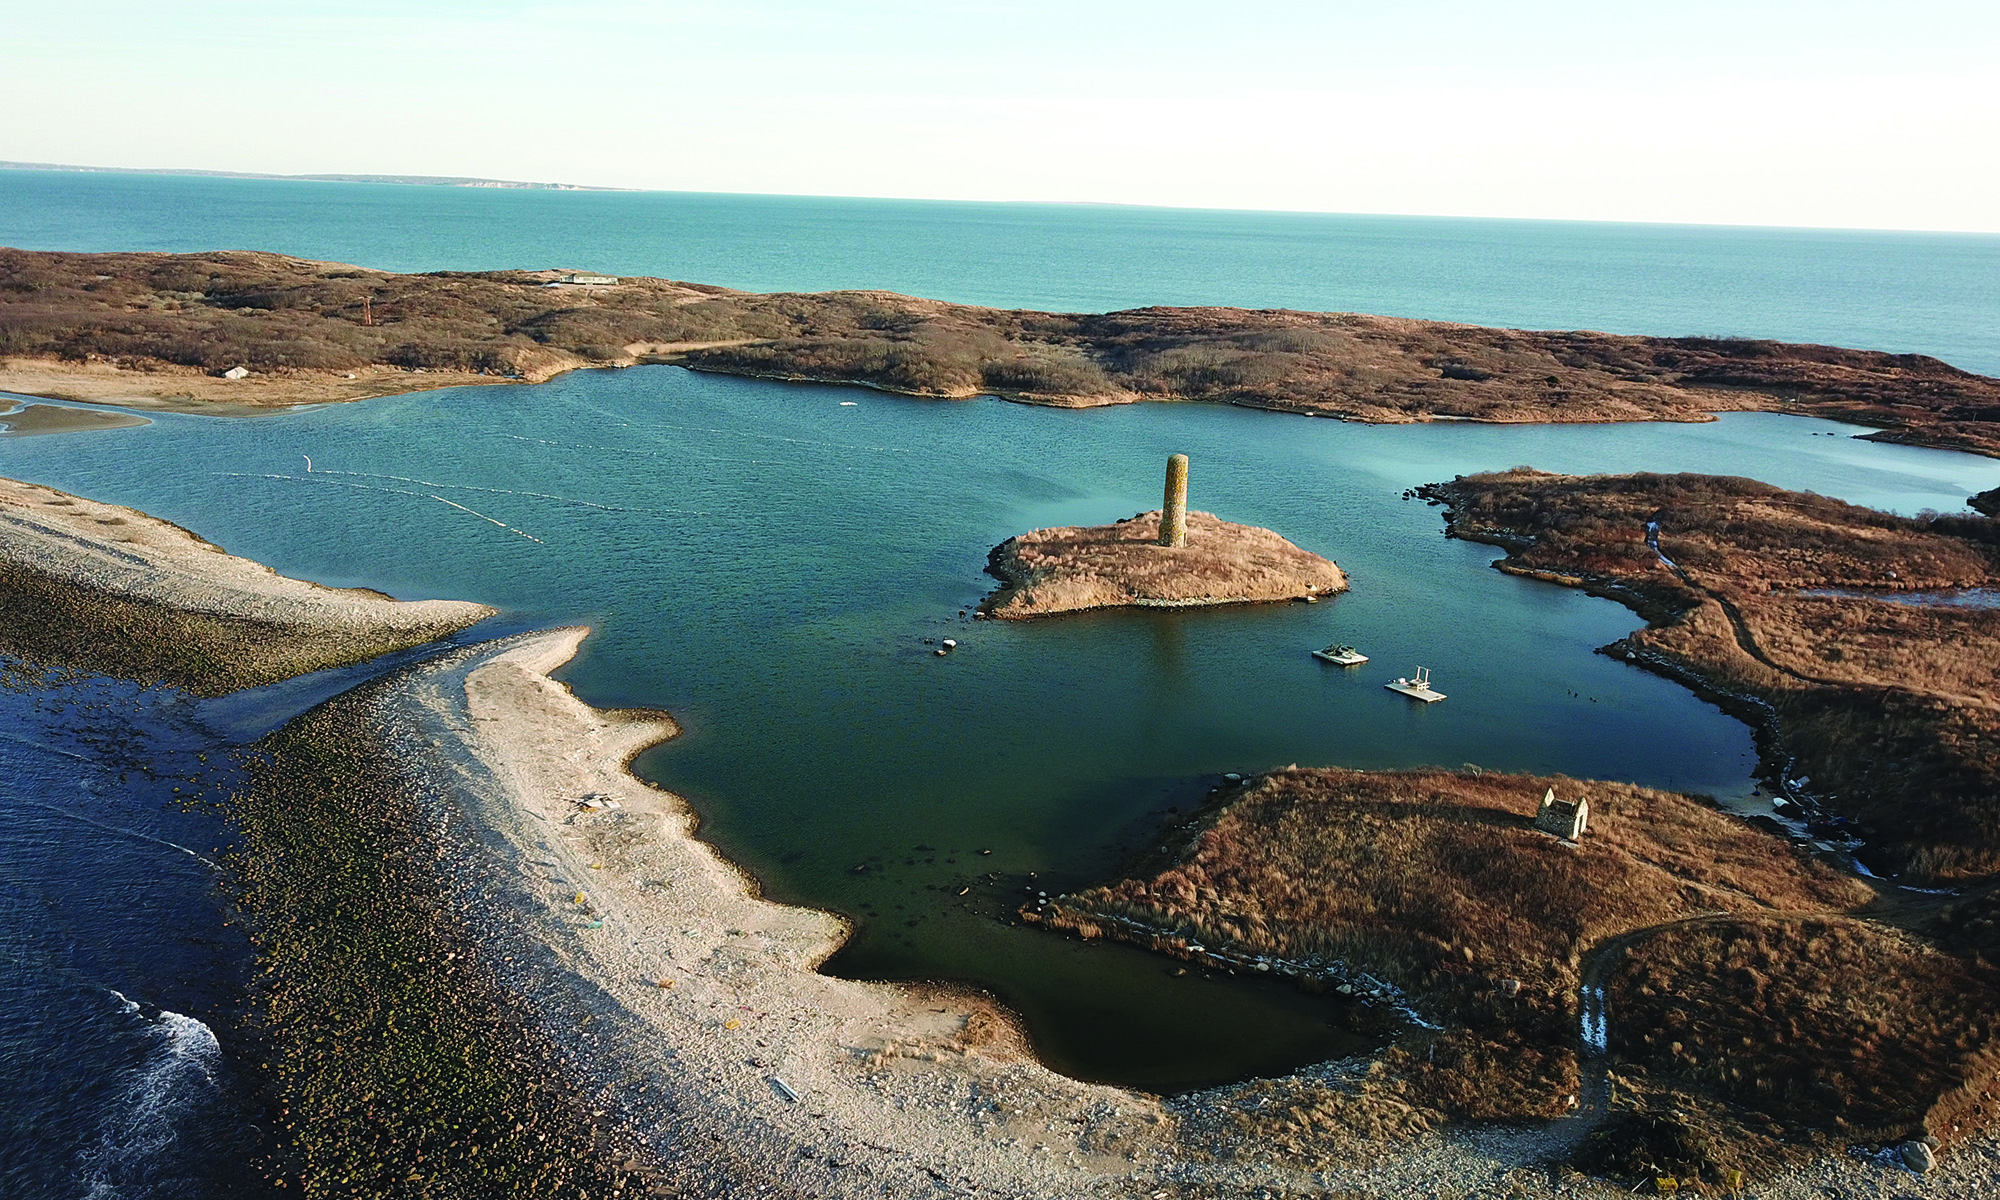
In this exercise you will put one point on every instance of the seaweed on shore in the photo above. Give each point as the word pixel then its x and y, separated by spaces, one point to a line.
pixel 396 1064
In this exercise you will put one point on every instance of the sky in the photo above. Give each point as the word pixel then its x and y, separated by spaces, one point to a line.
pixel 1843 113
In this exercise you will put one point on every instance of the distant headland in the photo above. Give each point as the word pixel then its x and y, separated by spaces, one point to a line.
pixel 162 330
pixel 419 180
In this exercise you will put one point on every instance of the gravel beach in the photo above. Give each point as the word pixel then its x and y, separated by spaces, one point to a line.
pixel 105 588
pixel 695 1008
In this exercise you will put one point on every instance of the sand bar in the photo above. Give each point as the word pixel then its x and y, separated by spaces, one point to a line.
pixel 106 588
pixel 30 420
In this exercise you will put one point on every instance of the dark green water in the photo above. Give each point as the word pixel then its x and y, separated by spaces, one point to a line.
pixel 765 561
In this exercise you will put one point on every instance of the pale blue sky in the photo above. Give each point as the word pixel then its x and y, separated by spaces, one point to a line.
pixel 1838 112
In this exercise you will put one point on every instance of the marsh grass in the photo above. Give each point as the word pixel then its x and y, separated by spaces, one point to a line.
pixel 1849 1028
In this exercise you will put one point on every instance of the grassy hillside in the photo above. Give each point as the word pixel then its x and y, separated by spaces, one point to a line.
pixel 1438 883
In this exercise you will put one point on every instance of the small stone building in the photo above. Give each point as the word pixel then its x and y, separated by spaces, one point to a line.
pixel 1562 817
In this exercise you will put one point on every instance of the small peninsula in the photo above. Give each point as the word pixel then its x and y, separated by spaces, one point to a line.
pixel 98 587
pixel 1123 565
pixel 1862 645
pixel 1658 987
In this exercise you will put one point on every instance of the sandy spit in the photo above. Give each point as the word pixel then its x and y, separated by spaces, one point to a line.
pixel 695 1007
pixel 111 550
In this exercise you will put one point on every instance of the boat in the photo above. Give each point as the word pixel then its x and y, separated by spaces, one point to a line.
pixel 1341 655
pixel 1417 688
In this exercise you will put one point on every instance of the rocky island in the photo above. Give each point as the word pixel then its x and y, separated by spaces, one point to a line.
pixel 1167 558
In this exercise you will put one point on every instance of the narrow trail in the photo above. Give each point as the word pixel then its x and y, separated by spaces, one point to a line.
pixel 1594 1016
pixel 1745 639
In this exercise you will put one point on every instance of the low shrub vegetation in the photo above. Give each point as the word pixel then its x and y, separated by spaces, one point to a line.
pixel 1844 1027
pixel 1438 883
pixel 1818 620
pixel 276 314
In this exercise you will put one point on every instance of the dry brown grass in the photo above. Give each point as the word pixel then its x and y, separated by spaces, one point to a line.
pixel 1892 710
pixel 1970 925
pixel 1438 882
pixel 283 316
pixel 1831 1025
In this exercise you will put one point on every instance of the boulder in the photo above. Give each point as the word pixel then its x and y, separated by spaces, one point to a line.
pixel 1917 1156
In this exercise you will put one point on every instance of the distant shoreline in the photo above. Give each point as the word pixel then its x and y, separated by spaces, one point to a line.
pixel 238 331
pixel 408 180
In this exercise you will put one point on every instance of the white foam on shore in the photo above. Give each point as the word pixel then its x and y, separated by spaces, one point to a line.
pixel 177 1075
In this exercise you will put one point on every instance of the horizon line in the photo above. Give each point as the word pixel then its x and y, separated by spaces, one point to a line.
pixel 485 183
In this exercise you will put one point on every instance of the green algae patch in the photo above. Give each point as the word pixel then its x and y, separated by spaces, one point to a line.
pixel 395 1062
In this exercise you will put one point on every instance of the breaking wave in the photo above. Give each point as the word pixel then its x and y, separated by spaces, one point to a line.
pixel 141 1134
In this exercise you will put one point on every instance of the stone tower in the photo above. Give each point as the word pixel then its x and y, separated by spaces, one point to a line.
pixel 1173 514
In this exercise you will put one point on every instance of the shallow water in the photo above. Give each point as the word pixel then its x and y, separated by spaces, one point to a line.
pixel 765 561
pixel 1963 598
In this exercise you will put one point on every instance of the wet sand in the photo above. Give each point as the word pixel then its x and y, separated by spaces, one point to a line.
pixel 31 419
pixel 105 588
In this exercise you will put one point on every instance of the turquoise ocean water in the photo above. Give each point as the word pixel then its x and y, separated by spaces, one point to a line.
pixel 766 561
pixel 1920 293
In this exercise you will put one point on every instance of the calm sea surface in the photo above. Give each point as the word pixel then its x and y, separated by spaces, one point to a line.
pixel 1925 293
pixel 766 561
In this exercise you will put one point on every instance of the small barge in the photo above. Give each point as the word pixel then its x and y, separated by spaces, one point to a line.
pixel 1341 655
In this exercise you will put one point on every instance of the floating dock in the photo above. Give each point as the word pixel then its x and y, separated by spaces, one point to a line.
pixel 1417 687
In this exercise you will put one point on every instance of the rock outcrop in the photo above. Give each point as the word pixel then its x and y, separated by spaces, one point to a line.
pixel 1123 565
